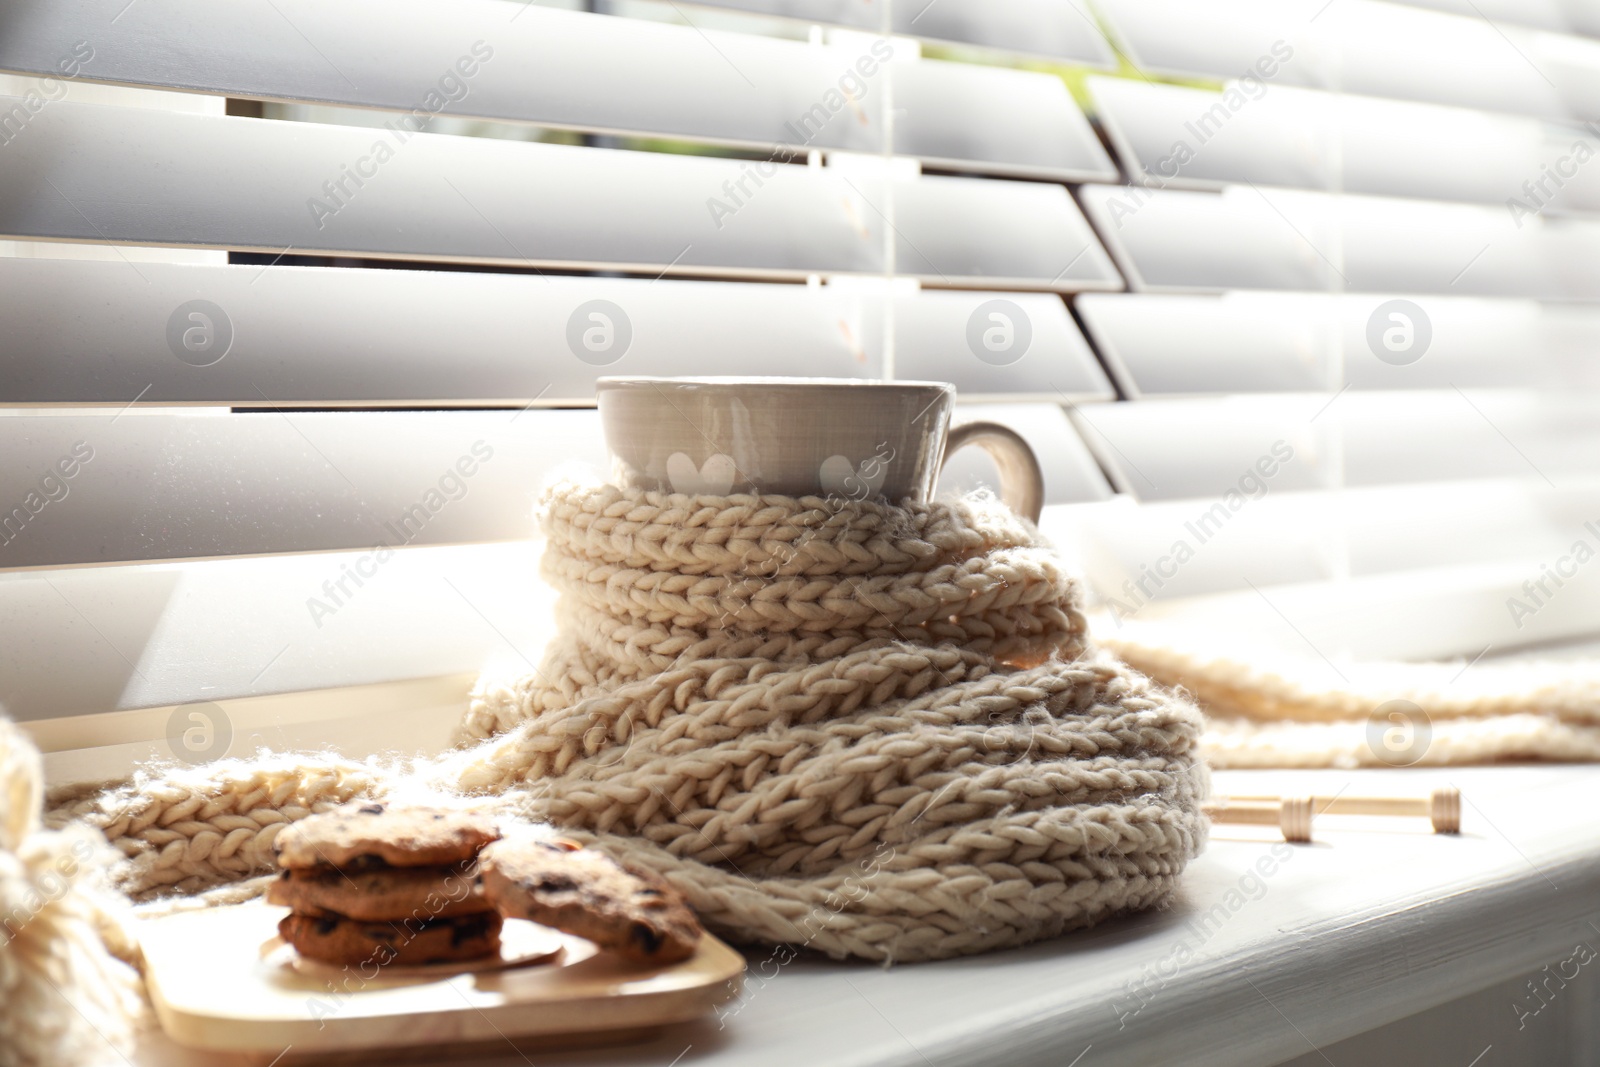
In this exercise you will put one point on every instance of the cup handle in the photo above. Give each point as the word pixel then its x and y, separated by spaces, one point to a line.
pixel 1021 481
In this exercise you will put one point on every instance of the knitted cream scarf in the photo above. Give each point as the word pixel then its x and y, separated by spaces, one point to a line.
pixel 1279 711
pixel 874 731
pixel 762 697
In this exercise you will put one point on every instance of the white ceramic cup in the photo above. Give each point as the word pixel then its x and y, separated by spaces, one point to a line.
pixel 801 437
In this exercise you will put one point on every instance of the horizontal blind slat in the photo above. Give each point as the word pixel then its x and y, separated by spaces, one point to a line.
pixel 1440 613
pixel 303 336
pixel 1254 342
pixel 1285 239
pixel 1557 16
pixel 93 639
pixel 1172 136
pixel 1174 449
pixel 152 485
pixel 492 60
pixel 87 173
pixel 939 337
pixel 1367 47
pixel 1056 29
pixel 1286 537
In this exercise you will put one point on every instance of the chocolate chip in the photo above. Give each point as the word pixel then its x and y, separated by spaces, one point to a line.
pixel 645 937
pixel 469 928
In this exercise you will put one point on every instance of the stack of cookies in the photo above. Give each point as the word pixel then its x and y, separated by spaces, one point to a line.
pixel 367 884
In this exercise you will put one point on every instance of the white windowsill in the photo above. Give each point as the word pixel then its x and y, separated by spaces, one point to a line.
pixel 1358 930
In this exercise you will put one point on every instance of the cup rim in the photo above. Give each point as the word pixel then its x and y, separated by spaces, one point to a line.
pixel 725 381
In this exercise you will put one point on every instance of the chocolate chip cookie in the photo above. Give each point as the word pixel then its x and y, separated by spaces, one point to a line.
pixel 336 939
pixel 381 893
pixel 368 835
pixel 584 892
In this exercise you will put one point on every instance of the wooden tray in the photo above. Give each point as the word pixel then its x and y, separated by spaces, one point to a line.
pixel 221 979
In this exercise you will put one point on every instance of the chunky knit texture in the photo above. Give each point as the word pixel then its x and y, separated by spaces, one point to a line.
pixel 66 986
pixel 1305 712
pixel 874 731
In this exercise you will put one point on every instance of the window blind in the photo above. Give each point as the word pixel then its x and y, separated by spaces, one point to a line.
pixel 570 70
pixel 1273 303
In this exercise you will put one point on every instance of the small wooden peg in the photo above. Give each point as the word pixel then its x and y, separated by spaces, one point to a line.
pixel 1293 814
